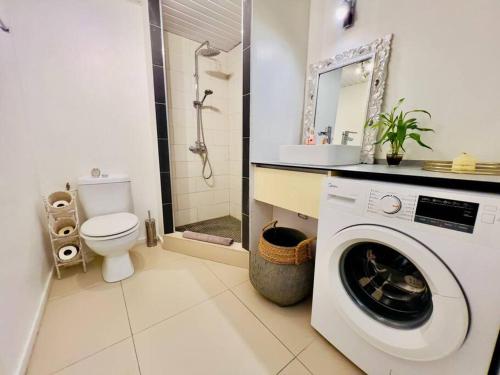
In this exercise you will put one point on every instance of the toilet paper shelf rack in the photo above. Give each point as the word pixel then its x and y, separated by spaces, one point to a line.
pixel 64 230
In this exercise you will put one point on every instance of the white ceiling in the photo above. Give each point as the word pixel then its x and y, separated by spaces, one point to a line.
pixel 218 21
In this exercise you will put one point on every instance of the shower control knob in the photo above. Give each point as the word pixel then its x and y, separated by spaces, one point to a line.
pixel 390 204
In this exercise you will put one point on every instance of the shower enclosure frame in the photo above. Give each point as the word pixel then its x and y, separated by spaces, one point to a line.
pixel 159 74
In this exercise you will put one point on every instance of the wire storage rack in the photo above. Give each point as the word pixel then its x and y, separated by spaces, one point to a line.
pixel 64 230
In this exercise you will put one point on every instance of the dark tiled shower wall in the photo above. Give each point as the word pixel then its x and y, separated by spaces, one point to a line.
pixel 161 112
pixel 245 217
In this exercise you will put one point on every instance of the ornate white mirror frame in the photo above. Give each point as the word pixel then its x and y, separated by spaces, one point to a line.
pixel 379 51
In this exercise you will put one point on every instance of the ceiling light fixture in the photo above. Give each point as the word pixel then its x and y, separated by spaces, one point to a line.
pixel 346 12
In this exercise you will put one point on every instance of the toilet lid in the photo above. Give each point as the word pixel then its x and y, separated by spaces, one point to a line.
pixel 109 225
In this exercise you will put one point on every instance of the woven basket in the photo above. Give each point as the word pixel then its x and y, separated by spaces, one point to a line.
pixel 281 245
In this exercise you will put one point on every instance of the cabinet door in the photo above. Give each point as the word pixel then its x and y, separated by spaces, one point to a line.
pixel 294 191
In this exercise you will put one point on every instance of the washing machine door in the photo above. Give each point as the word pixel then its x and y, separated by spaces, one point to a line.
pixel 396 293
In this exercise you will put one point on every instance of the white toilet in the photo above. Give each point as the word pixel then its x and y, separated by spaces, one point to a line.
pixel 111 229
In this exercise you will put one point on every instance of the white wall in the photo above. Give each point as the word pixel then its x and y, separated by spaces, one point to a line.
pixel 193 199
pixel 75 93
pixel 444 59
pixel 24 264
pixel 86 76
pixel 278 69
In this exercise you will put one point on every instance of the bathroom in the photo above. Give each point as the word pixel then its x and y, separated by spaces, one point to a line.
pixel 109 85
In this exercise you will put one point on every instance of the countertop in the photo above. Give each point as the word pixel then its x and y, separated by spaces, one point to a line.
pixel 413 174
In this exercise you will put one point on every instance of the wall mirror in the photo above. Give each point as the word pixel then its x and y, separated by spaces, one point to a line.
pixel 342 92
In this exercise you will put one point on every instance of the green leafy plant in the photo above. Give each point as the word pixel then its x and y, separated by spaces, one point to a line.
pixel 398 126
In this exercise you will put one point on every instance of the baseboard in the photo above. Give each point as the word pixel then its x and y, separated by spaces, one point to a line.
pixel 28 348
pixel 233 255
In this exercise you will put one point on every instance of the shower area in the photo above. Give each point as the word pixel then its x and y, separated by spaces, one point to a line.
pixel 203 56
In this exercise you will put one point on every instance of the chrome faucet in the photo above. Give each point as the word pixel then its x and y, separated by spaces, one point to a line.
pixel 346 138
pixel 328 133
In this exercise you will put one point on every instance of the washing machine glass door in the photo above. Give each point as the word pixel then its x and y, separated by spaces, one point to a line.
pixel 386 285
pixel 396 293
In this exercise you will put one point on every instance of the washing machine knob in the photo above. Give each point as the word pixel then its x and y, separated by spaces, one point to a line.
pixel 390 204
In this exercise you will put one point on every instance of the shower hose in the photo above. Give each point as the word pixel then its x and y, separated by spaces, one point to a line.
pixel 206 171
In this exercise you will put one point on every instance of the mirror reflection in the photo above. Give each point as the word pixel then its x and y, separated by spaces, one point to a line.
pixel 342 102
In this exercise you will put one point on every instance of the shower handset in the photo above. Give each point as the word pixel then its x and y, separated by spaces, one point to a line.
pixel 199 103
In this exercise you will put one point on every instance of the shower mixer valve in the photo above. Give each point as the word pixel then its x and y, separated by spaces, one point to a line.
pixel 198 148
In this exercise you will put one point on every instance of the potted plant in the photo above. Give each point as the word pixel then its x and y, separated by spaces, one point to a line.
pixel 396 129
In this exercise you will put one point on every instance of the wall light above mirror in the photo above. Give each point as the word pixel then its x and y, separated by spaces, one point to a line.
pixel 342 92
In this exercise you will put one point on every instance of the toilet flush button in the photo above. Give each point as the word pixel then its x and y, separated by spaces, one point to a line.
pixel 488 218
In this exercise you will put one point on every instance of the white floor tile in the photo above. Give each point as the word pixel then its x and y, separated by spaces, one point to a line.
pixel 145 258
pixel 118 359
pixel 79 325
pixel 290 324
pixel 321 358
pixel 219 336
pixel 74 280
pixel 158 293
pixel 229 275
pixel 295 368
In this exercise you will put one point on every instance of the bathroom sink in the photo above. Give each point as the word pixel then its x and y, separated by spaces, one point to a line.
pixel 320 154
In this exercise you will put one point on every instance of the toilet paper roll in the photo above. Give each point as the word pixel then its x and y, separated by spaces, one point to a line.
pixel 58 204
pixel 64 231
pixel 67 253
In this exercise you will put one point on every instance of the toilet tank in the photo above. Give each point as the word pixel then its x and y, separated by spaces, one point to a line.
pixel 105 195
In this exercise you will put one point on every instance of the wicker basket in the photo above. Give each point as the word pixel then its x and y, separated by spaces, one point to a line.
pixel 60 202
pixel 280 245
pixel 63 227
pixel 282 269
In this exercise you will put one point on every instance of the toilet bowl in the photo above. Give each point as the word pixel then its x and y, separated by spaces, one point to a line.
pixel 112 236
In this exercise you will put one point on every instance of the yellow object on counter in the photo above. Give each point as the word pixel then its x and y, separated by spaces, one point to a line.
pixel 464 162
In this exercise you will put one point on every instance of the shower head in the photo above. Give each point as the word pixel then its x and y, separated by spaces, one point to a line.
pixel 208 51
pixel 207 92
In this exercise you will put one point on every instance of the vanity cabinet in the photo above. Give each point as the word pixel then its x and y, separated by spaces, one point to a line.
pixel 292 190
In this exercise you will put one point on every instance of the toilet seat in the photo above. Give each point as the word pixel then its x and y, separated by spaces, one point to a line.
pixel 107 227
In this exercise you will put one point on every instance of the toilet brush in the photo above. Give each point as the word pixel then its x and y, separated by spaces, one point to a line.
pixel 151 239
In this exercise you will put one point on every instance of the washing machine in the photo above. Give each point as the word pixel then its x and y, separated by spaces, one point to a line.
pixel 407 278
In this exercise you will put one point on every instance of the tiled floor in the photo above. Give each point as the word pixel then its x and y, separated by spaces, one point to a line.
pixel 176 315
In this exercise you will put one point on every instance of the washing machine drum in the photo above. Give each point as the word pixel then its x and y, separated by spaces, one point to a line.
pixel 386 285
pixel 394 292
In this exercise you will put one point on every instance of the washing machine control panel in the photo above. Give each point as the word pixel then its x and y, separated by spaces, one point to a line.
pixel 398 205
pixel 447 213
pixel 425 209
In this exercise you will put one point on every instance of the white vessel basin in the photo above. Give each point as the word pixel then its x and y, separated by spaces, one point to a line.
pixel 320 154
